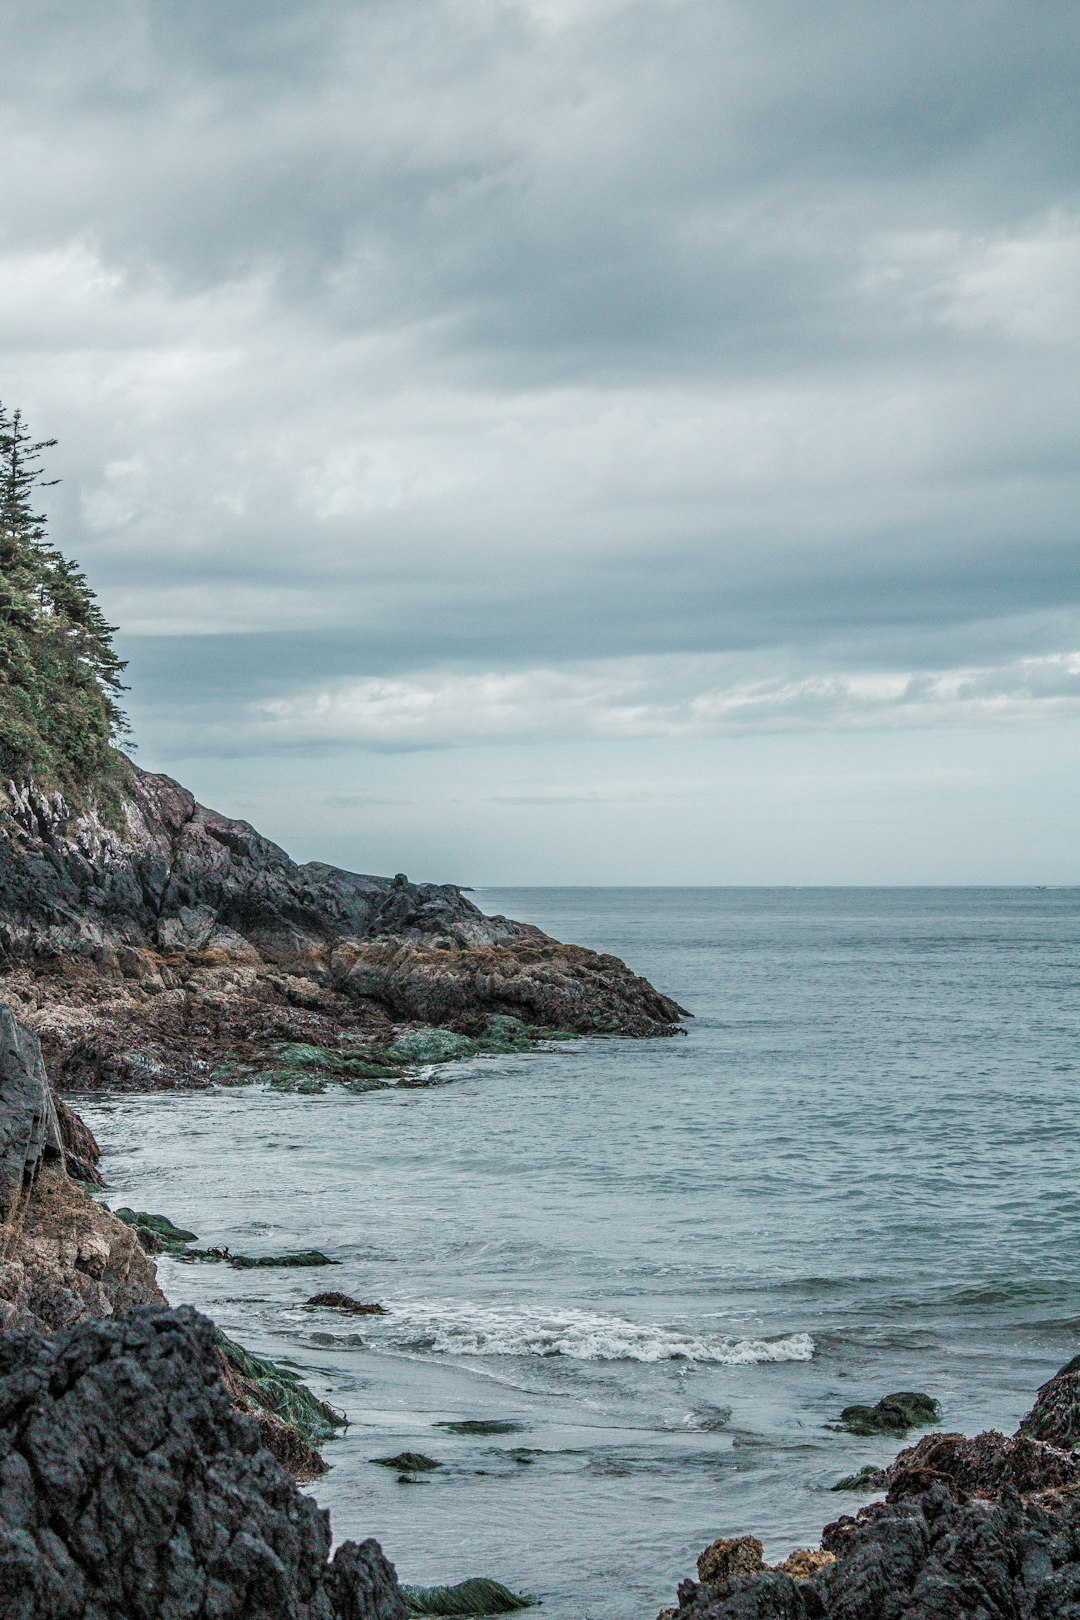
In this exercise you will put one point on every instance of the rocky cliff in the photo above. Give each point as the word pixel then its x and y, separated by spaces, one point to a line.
pixel 63 1258
pixel 146 954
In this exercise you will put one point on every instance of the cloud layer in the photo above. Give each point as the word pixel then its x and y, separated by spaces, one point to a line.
pixel 456 373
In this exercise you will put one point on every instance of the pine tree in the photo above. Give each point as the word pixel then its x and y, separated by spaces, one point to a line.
pixel 60 677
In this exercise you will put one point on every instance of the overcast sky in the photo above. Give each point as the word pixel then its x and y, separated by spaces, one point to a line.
pixel 571 440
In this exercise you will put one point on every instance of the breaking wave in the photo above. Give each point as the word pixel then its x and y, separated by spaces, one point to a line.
pixel 492 1330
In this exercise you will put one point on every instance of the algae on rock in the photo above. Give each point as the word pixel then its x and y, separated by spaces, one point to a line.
pixel 474 1597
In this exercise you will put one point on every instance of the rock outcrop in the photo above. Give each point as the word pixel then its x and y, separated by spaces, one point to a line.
pixel 131 1489
pixel 143 955
pixel 63 1258
pixel 924 1558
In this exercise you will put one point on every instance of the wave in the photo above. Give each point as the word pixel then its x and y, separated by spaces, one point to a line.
pixel 492 1330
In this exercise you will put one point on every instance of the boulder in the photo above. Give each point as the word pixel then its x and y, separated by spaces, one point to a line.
pixel 65 1257
pixel 131 1489
pixel 893 1414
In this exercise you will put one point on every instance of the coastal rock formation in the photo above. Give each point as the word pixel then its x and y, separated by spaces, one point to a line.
pixel 63 1257
pixel 987 1465
pixel 143 954
pixel 923 1557
pixel 131 1489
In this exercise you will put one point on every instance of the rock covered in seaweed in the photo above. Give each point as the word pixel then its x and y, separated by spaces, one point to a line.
pixel 986 1465
pixel 893 1414
pixel 131 1489
pixel 1055 1417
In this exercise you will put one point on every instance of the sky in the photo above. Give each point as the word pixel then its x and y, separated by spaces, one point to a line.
pixel 571 441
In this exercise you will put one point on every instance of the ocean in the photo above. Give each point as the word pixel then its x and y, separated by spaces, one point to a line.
pixel 666 1264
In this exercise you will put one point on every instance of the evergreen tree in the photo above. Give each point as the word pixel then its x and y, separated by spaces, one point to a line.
pixel 60 677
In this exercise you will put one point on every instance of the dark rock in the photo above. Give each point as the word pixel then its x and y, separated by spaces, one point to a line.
pixel 300 1259
pixel 29 1127
pixel 409 1462
pixel 155 1232
pixel 893 1414
pixel 1055 1417
pixel 131 1489
pixel 867 1479
pixel 482 1426
pixel 345 1302
pixel 924 1558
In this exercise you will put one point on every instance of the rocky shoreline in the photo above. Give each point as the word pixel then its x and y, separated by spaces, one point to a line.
pixel 968 1527
pixel 147 1464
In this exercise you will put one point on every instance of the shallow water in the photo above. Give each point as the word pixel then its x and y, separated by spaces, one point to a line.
pixel 670 1262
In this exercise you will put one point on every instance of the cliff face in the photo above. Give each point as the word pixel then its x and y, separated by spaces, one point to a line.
pixel 143 959
pixel 63 1258
pixel 182 877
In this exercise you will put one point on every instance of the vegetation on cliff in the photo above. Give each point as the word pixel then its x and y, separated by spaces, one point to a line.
pixel 60 677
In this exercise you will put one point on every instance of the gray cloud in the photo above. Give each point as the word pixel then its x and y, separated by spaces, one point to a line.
pixel 668 352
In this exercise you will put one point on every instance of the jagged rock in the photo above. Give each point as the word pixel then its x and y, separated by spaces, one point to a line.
pixel 142 957
pixel 924 1558
pixel 806 1561
pixel 131 1489
pixel 1055 1417
pixel 726 1557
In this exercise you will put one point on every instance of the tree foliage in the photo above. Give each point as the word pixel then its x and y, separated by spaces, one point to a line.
pixel 60 677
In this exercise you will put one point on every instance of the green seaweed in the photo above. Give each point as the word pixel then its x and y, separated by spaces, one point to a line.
pixel 474 1597
pixel 482 1426
pixel 282 1393
pixel 168 1235
pixel 429 1045
pixel 865 1480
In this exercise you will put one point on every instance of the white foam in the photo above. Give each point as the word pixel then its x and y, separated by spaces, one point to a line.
pixel 463 1329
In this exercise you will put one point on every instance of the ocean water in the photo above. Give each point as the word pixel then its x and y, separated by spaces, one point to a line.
pixel 669 1263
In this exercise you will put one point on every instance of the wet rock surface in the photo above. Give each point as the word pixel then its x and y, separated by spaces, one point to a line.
pixel 893 1414
pixel 131 1489
pixel 142 959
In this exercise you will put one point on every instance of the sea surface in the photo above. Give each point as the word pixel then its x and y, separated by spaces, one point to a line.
pixel 669 1263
